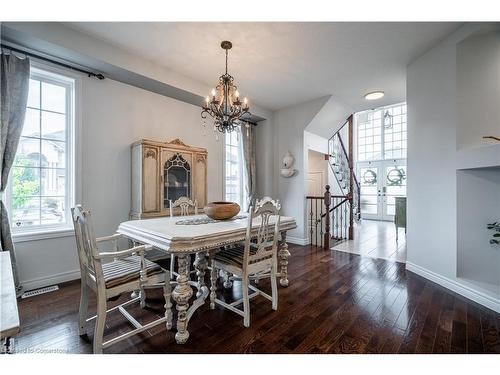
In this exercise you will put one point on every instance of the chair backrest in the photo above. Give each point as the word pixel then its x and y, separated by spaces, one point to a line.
pixel 264 243
pixel 86 242
pixel 183 203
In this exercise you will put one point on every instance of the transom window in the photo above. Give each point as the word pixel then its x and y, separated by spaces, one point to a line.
pixel 234 176
pixel 381 133
pixel 40 190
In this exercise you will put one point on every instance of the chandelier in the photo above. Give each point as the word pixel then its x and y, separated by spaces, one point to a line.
pixel 224 104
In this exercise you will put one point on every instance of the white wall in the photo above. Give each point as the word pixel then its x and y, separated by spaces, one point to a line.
pixel 478 88
pixel 432 145
pixel 289 125
pixel 265 161
pixel 316 142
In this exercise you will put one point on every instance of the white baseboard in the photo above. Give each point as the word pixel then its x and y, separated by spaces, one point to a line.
pixel 41 282
pixel 297 240
pixel 454 285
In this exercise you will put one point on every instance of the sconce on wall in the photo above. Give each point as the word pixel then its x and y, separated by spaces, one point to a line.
pixel 287 169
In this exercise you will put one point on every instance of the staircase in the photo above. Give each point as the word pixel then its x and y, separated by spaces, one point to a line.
pixel 337 212
pixel 341 162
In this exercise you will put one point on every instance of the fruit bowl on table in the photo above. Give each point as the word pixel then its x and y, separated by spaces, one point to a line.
pixel 222 210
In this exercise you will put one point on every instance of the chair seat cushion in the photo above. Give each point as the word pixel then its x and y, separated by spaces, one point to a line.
pixel 124 270
pixel 233 255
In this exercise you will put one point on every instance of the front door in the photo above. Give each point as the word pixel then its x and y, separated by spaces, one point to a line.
pixel 381 181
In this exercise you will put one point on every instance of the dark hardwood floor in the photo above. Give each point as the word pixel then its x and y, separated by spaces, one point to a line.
pixel 336 303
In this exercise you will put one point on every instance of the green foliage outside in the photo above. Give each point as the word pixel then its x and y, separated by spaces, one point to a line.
pixel 25 183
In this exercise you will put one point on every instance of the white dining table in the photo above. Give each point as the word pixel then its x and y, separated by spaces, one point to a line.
pixel 169 235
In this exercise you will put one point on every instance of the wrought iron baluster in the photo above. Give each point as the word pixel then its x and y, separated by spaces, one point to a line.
pixel 334 218
pixel 316 221
pixel 311 223
pixel 346 221
pixel 337 219
pixel 321 224
pixel 341 222
pixel 327 201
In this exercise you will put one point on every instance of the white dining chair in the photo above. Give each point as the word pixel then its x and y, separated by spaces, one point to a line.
pixel 256 256
pixel 111 273
pixel 184 204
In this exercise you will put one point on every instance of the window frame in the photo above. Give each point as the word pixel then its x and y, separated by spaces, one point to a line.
pixel 382 135
pixel 72 82
pixel 242 194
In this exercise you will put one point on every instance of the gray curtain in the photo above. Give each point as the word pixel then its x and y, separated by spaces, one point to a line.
pixel 248 147
pixel 14 85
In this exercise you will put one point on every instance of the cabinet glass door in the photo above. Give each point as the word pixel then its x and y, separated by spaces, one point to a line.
pixel 177 179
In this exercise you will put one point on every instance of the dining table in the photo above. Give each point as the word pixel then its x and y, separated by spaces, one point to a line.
pixel 183 236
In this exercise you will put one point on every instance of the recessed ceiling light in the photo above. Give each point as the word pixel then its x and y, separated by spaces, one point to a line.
pixel 374 95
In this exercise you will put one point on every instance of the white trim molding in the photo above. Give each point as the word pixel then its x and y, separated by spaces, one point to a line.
pixel 297 240
pixel 41 282
pixel 456 286
pixel 39 235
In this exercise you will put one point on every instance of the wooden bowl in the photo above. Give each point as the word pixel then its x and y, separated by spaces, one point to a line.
pixel 221 210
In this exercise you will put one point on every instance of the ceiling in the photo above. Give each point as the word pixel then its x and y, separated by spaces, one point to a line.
pixel 280 64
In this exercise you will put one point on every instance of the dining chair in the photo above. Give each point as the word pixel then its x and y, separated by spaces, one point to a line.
pixel 184 204
pixel 111 273
pixel 257 255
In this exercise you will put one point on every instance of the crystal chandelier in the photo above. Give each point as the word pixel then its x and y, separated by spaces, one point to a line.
pixel 224 104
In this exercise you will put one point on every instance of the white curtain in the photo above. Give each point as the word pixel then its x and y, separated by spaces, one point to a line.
pixel 247 140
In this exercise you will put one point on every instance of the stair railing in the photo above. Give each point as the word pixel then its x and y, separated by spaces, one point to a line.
pixel 332 216
pixel 341 161
pixel 328 218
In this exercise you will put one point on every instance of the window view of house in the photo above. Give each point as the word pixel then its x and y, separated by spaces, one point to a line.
pixel 39 189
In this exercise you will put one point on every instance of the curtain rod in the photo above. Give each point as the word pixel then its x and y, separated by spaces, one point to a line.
pixel 68 66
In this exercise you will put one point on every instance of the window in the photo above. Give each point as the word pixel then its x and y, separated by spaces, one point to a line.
pixel 381 133
pixel 381 159
pixel 234 174
pixel 41 183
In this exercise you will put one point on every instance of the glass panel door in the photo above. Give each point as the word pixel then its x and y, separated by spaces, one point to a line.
pixel 381 182
pixel 394 186
pixel 369 181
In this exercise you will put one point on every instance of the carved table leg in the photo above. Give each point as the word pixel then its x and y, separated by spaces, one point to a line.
pixel 213 284
pixel 283 255
pixel 181 295
pixel 167 294
pixel 200 265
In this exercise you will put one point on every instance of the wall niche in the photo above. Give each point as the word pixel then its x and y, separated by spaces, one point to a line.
pixel 478 203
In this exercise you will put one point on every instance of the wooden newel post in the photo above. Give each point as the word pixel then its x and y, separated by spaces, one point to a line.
pixel 328 200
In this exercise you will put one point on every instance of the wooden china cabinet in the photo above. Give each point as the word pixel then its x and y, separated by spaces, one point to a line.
pixel 163 172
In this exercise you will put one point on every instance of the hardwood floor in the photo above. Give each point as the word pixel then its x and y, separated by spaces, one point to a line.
pixel 336 303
